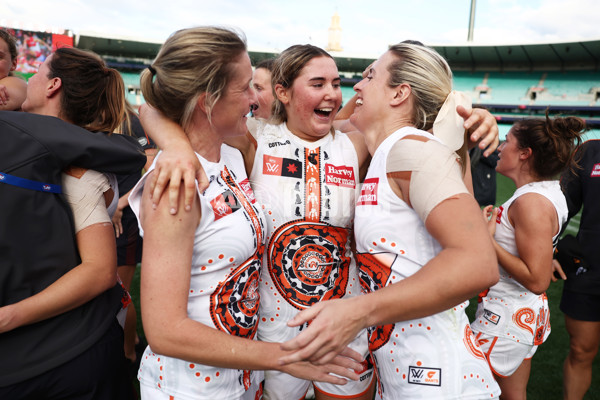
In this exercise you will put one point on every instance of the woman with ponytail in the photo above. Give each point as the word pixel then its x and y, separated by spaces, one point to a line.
pixel 82 358
pixel 513 317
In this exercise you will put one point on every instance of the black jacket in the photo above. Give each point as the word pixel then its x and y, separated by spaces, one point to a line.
pixel 37 242
pixel 582 189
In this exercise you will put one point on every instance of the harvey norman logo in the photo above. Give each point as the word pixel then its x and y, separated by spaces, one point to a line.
pixel 368 193
pixel 425 376
pixel 595 171
pixel 340 176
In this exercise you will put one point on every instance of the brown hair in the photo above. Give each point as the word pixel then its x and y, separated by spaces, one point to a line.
pixel 92 95
pixel 11 42
pixel 191 62
pixel 552 142
pixel 286 68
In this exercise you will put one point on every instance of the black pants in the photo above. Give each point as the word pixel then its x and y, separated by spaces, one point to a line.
pixel 100 373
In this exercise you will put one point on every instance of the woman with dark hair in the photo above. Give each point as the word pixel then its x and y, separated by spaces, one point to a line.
pixel 513 317
pixel 86 353
pixel 12 89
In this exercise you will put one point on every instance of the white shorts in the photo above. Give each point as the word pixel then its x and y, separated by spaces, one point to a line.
pixel 153 393
pixel 281 386
pixel 504 355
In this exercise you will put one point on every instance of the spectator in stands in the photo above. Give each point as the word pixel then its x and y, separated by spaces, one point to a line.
pixel 200 269
pixel 513 317
pixel 581 292
pixel 13 90
pixel 58 314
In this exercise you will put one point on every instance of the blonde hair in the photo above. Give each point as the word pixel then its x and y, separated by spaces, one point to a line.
pixel 430 79
pixel 191 62
pixel 286 68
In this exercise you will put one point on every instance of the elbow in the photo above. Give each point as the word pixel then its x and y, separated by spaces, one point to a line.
pixel 490 273
pixel 107 280
pixel 538 288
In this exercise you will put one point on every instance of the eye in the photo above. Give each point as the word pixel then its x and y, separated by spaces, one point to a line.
pixel 318 85
pixel 336 85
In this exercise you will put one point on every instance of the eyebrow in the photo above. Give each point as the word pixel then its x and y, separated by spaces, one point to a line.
pixel 319 78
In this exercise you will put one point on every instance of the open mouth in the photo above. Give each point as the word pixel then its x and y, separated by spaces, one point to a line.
pixel 359 102
pixel 324 112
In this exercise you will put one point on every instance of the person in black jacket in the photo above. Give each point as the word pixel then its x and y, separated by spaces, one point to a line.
pixel 58 332
pixel 581 291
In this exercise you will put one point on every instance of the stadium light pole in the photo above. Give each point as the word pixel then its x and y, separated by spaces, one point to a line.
pixel 471 21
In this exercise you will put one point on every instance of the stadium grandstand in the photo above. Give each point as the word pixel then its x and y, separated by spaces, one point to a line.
pixel 512 81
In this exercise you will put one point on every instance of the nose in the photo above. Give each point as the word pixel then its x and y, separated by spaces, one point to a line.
pixel 358 86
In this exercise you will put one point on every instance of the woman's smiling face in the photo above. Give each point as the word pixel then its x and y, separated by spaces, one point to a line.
pixel 313 99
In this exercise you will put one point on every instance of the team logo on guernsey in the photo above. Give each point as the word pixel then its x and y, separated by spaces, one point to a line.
pixel 340 176
pixel 595 171
pixel 307 262
pixel 491 317
pixel 373 276
pixel 234 303
pixel 368 192
pixel 425 376
pixel 279 166
pixel 224 204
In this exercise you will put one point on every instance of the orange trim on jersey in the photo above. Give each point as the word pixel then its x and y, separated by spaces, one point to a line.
pixel 312 181
pixel 241 196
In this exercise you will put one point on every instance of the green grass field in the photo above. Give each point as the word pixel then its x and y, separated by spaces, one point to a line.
pixel 545 382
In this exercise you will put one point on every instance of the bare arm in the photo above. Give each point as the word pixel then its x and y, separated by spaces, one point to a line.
pixel 164 294
pixel 467 251
pixel 13 92
pixel 535 222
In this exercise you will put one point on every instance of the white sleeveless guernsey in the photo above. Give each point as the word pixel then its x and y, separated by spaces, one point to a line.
pixel 225 269
pixel 429 358
pixel 308 191
pixel 508 310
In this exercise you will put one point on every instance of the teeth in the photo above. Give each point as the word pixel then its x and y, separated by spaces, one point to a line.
pixel 359 102
pixel 325 109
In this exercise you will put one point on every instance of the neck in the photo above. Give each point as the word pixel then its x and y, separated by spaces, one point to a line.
pixel 377 134
pixel 205 140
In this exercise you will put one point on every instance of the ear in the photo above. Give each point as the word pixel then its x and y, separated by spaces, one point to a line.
pixel 282 93
pixel 14 64
pixel 525 153
pixel 400 94
pixel 201 103
pixel 54 86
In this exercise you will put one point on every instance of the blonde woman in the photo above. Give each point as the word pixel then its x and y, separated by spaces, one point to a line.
pixel 200 270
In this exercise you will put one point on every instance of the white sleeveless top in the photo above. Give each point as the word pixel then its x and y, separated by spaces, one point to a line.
pixel 433 357
pixel 508 310
pixel 308 191
pixel 225 269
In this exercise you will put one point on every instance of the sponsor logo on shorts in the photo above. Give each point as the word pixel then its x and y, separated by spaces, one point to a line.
pixel 425 376
pixel 340 176
pixel 368 192
pixel 492 317
pixel 595 171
